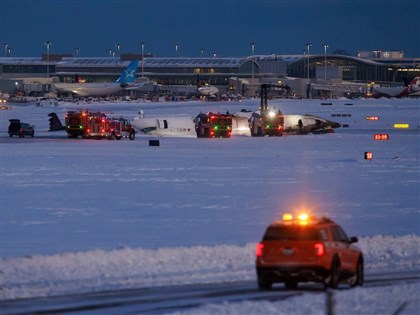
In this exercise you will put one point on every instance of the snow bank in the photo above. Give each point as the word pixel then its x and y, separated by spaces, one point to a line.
pixel 127 268
pixel 383 300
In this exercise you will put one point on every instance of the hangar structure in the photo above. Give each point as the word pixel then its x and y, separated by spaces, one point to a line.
pixel 230 74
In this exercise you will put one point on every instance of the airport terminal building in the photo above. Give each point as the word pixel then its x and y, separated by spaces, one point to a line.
pixel 240 75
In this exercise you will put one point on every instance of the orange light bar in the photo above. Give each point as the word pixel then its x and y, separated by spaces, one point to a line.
pixel 372 118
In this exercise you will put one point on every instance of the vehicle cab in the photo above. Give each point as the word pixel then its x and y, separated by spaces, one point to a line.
pixel 307 249
pixel 213 125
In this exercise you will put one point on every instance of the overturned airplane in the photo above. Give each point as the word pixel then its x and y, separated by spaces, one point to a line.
pixel 176 126
pixel 243 122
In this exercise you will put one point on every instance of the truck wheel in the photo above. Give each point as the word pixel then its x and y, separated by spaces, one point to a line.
pixel 334 277
pixel 264 284
pixel 358 278
pixel 132 135
pixel 291 284
pixel 112 136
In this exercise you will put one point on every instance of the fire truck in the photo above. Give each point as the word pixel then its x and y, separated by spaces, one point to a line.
pixel 266 122
pixel 97 125
pixel 212 125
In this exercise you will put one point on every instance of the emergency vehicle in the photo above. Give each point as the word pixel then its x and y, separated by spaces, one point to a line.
pixel 212 125
pixel 97 125
pixel 266 122
pixel 307 249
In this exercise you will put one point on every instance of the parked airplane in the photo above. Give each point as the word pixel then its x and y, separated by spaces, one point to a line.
pixel 124 82
pixel 4 97
pixel 413 89
pixel 206 89
pixel 176 126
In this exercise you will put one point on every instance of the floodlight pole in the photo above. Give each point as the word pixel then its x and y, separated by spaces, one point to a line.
pixel 48 44
pixel 142 57
pixel 177 46
pixel 308 45
pixel 253 52
pixel 325 61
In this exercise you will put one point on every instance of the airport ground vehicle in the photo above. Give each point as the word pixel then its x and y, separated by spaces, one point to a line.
pixel 266 122
pixel 213 125
pixel 18 128
pixel 307 249
pixel 97 125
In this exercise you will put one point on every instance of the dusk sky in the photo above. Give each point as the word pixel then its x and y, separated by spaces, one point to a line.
pixel 223 27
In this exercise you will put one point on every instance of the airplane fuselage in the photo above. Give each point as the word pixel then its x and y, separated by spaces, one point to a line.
pixel 397 91
pixel 89 89
pixel 413 89
pixel 208 90
pixel 165 126
pixel 125 81
pixel 173 126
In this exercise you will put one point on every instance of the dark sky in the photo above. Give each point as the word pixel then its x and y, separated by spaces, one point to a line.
pixel 223 27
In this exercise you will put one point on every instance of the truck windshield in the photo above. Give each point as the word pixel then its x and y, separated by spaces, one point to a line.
pixel 292 233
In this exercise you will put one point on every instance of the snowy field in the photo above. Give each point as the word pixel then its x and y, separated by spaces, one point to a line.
pixel 83 215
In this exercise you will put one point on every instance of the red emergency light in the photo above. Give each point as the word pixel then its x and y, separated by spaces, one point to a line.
pixel 368 156
pixel 372 118
pixel 381 136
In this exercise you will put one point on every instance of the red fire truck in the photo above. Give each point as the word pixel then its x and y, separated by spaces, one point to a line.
pixel 97 125
pixel 266 122
pixel 213 125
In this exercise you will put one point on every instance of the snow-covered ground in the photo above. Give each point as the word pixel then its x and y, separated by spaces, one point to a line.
pixel 398 299
pixel 82 215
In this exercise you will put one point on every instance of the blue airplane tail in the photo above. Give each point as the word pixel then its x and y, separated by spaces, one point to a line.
pixel 129 74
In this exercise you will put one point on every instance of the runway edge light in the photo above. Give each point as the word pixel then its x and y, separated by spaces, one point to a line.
pixel 401 126
pixel 368 156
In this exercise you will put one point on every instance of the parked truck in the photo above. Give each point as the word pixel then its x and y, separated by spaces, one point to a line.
pixel 93 125
pixel 266 121
pixel 213 125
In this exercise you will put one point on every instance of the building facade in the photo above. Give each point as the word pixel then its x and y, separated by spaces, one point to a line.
pixel 35 74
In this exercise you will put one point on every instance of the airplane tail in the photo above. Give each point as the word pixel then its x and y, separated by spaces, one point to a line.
pixel 129 74
pixel 55 123
pixel 415 82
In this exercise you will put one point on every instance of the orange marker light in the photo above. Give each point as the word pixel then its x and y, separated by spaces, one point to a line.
pixel 287 217
pixel 303 217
